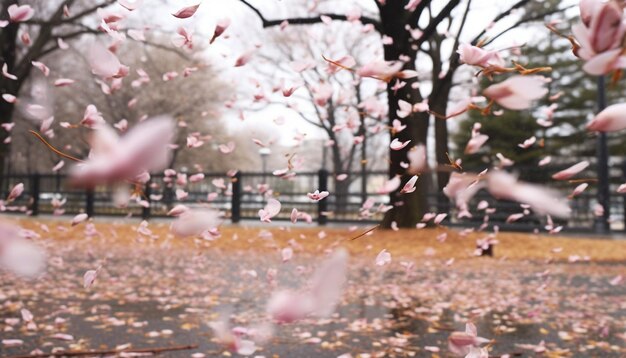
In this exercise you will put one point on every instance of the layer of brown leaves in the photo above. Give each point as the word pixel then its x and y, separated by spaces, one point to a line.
pixel 407 244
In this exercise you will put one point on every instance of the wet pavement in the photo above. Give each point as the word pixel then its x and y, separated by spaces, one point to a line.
pixel 152 295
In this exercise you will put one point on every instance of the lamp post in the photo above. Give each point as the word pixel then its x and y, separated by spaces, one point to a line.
pixel 264 153
pixel 601 223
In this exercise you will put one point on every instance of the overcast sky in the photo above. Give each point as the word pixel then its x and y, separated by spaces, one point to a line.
pixel 246 31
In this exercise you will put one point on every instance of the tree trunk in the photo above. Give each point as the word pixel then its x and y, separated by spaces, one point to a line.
pixel 342 188
pixel 6 115
pixel 408 209
pixel 439 104
pixel 8 41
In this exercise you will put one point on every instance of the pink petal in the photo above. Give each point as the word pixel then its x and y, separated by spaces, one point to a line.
pixel 143 148
pixel 286 254
pixel 439 218
pixel 62 82
pixel 63 337
pixel 317 195
pixel 79 219
pixel 383 258
pixel 380 70
pixel 545 161
pixel 16 191
pixel 12 342
pixel 542 200
pixel 272 208
pixel 571 171
pixel 603 63
pixel 397 144
pixel 475 143
pixel 20 13
pixel 130 5
pixel 517 92
pixel 195 222
pixel 9 98
pixel 409 187
pixel 5 72
pixel 321 297
pixel 579 189
pixel 390 185
pixel 611 119
pixel 42 67
pixel 62 44
pixel 92 118
pixel 221 26
pixel 103 62
pixel 186 12
pixel 177 210
pixel 89 278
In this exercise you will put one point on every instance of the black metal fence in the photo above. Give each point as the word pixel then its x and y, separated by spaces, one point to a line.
pixel 242 196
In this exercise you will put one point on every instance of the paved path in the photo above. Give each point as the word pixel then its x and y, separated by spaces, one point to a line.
pixel 152 295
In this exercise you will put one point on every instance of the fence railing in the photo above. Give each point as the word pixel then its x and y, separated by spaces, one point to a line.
pixel 241 197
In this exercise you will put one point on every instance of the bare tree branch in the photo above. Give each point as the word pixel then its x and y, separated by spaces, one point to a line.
pixel 308 20
pixel 88 11
pixel 432 25
pixel 526 20
pixel 417 13
pixel 463 20
pixel 502 15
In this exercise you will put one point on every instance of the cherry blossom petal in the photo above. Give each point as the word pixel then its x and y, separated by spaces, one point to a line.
pixel 611 119
pixel 475 143
pixel 144 148
pixel 220 27
pixel 517 92
pixel 383 258
pixel 186 12
pixel 20 13
pixel 321 297
pixel 272 208
pixel 79 219
pixel 130 5
pixel 390 185
pixel 195 222
pixel 409 187
pixel 5 72
pixel 15 192
pixel 286 254
pixel 89 278
pixel 317 195
pixel 103 62
pixel 397 144
pixel 571 171
pixel 542 200
pixel 42 67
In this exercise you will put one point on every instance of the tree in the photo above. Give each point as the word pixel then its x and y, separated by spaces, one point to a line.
pixel 572 95
pixel 52 24
pixel 329 99
pixel 143 96
pixel 412 28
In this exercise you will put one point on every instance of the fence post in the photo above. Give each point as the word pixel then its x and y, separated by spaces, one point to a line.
pixel 322 205
pixel 34 193
pixel 235 199
pixel 89 203
pixel 145 211
pixel 623 195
